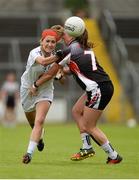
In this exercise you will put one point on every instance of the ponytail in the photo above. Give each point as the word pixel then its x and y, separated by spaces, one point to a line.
pixel 83 40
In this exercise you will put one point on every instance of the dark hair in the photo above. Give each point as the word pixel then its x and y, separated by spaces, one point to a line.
pixel 83 40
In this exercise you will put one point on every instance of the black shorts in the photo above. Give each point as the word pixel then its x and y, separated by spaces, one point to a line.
pixel 10 101
pixel 99 97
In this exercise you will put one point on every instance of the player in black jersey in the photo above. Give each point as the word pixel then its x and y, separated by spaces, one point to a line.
pixel 94 81
pixel 99 89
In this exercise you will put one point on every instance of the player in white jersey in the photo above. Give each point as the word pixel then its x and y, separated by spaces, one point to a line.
pixel 36 107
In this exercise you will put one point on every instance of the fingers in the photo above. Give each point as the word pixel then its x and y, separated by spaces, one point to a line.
pixel 33 91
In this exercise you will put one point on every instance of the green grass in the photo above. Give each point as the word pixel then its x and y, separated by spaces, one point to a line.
pixel 62 141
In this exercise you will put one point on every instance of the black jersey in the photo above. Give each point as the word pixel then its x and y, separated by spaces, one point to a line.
pixel 84 66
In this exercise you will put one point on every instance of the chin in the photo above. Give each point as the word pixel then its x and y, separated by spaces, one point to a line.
pixel 48 51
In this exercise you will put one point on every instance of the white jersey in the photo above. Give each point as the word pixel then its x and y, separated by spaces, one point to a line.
pixel 32 73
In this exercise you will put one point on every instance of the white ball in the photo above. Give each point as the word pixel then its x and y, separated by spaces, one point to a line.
pixel 131 123
pixel 74 26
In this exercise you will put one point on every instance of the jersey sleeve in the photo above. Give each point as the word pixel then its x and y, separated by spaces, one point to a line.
pixel 32 57
pixel 66 54
pixel 66 51
pixel 65 61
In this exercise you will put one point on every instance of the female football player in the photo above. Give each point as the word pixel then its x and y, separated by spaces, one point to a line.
pixel 36 107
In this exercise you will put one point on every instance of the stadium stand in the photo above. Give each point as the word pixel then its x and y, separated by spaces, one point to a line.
pixel 128 29
pixel 121 42
pixel 25 48
pixel 4 52
pixel 19 26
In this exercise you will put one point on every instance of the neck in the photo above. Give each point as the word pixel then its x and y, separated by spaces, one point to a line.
pixel 71 39
pixel 46 54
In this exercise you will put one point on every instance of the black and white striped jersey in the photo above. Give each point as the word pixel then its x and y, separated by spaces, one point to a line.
pixel 84 66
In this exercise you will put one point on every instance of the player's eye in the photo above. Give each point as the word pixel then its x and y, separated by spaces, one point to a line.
pixel 47 41
pixel 53 42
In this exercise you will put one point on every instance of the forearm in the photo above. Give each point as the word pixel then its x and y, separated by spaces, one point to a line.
pixel 48 75
pixel 50 60
pixel 46 61
pixel 43 79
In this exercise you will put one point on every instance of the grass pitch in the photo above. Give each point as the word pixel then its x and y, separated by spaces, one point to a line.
pixel 62 140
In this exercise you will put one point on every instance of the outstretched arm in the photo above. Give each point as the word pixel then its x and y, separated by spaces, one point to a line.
pixel 60 55
pixel 53 70
pixel 48 75
pixel 45 77
pixel 46 61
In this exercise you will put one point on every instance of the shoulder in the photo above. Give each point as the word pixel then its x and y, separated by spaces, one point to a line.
pixel 76 48
pixel 75 45
pixel 36 50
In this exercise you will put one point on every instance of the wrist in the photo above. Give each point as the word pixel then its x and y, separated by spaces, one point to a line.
pixel 59 55
pixel 35 85
pixel 58 76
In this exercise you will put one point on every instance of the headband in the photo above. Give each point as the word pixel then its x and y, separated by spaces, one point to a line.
pixel 50 32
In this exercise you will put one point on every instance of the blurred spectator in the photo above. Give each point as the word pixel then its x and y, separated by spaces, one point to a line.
pixel 10 95
pixel 82 13
pixel 78 8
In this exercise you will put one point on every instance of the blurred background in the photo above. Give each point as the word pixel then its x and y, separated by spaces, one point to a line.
pixel 113 27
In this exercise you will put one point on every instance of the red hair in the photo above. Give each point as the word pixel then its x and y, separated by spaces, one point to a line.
pixel 50 32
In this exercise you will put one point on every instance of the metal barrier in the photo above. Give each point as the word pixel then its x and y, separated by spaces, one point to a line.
pixel 126 69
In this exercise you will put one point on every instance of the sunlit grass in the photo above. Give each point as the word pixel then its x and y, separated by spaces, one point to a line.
pixel 62 140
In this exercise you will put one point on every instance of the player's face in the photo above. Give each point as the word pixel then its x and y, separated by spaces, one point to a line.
pixel 11 77
pixel 67 39
pixel 48 44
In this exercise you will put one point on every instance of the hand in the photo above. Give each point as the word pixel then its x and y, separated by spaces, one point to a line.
pixel 33 91
pixel 66 70
pixel 59 74
pixel 59 54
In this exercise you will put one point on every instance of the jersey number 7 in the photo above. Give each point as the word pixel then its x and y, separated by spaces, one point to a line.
pixel 94 66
